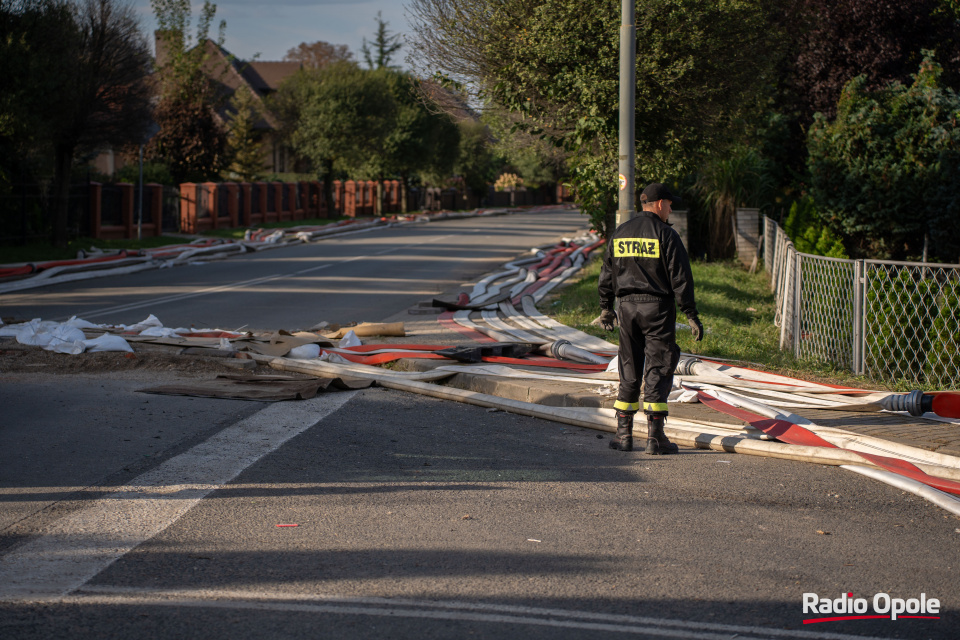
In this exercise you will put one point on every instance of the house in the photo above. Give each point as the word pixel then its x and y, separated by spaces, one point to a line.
pixel 230 74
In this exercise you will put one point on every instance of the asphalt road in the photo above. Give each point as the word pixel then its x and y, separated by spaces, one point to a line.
pixel 367 276
pixel 126 515
pixel 419 518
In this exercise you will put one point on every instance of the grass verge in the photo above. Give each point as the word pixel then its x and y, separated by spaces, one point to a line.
pixel 736 308
pixel 42 252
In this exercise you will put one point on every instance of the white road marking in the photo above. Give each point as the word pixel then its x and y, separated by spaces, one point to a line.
pixel 439 610
pixel 78 546
pixel 153 302
pixel 180 296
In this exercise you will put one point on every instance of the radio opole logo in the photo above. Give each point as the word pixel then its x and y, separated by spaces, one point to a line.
pixel 881 606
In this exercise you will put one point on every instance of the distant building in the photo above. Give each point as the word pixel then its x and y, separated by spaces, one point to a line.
pixel 230 74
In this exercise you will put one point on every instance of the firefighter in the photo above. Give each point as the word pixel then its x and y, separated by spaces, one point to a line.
pixel 646 268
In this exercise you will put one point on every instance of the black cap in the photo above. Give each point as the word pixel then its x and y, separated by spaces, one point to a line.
pixel 657 191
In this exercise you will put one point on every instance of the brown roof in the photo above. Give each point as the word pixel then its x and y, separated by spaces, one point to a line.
pixel 267 76
pixel 233 74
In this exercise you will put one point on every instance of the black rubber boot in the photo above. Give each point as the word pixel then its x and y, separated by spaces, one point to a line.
pixel 657 443
pixel 623 441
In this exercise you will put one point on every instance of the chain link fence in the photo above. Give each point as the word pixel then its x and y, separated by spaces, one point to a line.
pixel 889 321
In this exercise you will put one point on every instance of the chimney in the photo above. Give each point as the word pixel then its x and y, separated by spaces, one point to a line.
pixel 162 41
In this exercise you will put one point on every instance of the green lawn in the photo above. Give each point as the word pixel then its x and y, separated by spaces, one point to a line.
pixel 736 308
pixel 42 252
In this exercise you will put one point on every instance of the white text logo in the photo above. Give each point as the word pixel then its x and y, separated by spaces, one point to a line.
pixel 846 607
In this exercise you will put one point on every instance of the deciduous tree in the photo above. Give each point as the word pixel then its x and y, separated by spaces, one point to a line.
pixel 475 163
pixel 418 140
pixel 837 40
pixel 701 69
pixel 191 139
pixel 319 54
pixel 35 37
pixel 829 42
pixel 101 95
pixel 886 170
pixel 340 115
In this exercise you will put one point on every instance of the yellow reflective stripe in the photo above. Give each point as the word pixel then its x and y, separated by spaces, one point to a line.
pixel 627 406
pixel 636 248
pixel 655 406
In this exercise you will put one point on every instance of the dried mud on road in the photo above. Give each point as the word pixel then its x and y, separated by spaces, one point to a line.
pixel 18 358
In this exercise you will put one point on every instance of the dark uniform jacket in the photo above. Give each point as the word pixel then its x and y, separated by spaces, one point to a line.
pixel 646 256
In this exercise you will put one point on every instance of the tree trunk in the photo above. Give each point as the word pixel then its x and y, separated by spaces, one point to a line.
pixel 403 193
pixel 609 222
pixel 63 162
pixel 328 189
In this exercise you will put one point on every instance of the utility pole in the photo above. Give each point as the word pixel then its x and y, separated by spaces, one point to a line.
pixel 140 208
pixel 628 95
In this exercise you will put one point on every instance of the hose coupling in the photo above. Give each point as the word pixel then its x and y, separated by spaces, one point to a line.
pixel 916 403
pixel 685 366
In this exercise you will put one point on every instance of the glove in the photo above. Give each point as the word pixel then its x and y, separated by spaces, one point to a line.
pixel 607 319
pixel 696 327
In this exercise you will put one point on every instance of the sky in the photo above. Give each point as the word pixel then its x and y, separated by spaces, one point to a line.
pixel 272 27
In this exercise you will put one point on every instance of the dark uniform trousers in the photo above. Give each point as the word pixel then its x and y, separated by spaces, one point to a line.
pixel 648 347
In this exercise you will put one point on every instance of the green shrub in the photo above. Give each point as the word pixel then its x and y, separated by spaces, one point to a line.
pixel 153 172
pixel 886 172
pixel 943 359
pixel 898 334
pixel 808 232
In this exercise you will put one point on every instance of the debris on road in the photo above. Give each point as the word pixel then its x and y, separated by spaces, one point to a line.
pixel 260 388
pixel 63 337
pixel 510 340
pixel 366 329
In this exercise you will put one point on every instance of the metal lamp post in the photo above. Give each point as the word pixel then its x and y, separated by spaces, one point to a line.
pixel 628 96
pixel 140 208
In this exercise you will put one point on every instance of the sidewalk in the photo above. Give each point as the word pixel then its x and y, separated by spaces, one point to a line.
pixel 942 438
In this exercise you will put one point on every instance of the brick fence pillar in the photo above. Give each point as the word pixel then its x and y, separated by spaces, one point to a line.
pixel 349 208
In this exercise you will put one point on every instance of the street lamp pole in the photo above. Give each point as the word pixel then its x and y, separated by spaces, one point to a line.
pixel 140 208
pixel 628 96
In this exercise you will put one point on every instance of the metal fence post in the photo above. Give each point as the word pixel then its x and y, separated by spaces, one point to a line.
pixel 858 317
pixel 797 311
pixel 786 298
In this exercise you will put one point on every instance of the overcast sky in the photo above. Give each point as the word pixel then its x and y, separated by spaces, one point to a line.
pixel 271 27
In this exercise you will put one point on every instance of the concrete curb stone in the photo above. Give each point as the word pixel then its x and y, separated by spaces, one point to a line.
pixel 421 329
